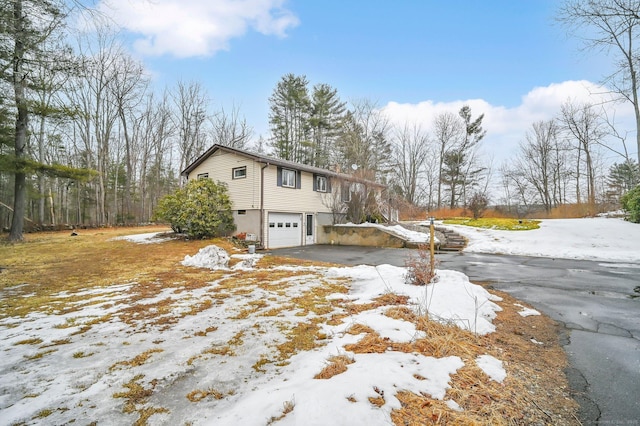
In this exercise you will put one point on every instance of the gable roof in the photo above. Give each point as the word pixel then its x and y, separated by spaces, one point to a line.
pixel 265 159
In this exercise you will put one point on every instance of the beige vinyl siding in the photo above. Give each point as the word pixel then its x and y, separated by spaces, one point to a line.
pixel 245 192
pixel 282 199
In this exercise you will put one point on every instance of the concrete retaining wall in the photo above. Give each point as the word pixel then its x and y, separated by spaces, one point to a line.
pixel 358 236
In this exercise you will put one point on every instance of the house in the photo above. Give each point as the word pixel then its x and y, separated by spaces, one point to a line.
pixel 277 202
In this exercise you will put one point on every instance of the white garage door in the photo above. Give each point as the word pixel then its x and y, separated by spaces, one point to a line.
pixel 285 230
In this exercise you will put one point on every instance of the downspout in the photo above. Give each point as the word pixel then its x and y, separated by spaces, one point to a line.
pixel 262 203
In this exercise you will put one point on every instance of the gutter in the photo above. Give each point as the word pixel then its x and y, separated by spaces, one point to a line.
pixel 262 204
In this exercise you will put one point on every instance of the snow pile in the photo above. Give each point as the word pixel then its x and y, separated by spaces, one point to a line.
pixel 453 299
pixel 211 257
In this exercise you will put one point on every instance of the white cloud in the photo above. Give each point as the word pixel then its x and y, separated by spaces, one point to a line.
pixel 196 27
pixel 507 126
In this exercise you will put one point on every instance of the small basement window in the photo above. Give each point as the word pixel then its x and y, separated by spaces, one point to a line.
pixel 241 212
pixel 203 175
pixel 240 172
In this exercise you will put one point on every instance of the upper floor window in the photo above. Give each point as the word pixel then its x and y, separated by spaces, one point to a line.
pixel 321 183
pixel 203 175
pixel 240 172
pixel 288 178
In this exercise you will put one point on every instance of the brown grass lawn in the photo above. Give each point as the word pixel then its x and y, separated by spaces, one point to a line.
pixel 33 274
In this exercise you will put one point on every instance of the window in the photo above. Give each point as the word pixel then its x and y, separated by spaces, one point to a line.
pixel 345 193
pixel 242 212
pixel 240 172
pixel 203 175
pixel 321 183
pixel 288 178
pixel 309 225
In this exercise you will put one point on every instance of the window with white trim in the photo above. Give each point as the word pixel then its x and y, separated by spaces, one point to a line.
pixel 288 178
pixel 321 183
pixel 203 175
pixel 240 172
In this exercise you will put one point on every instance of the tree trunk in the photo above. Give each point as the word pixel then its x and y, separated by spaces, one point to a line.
pixel 578 177
pixel 634 89
pixel 41 180
pixel 22 121
pixel 51 207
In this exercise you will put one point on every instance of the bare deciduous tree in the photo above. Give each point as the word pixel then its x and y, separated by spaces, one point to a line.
pixel 191 103
pixel 230 129
pixel 411 149
pixel 447 130
pixel 536 161
pixel 612 26
pixel 585 128
pixel 128 86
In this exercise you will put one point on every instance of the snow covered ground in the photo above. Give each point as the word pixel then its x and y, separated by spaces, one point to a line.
pixel 209 355
pixel 604 239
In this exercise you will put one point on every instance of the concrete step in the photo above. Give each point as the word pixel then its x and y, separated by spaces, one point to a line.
pixel 449 250
pixel 454 241
pixel 450 240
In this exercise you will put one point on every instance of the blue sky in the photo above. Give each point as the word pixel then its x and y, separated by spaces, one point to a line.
pixel 508 59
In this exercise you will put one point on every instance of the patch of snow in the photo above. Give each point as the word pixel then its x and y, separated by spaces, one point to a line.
pixel 320 402
pixel 248 261
pixel 453 405
pixel 148 238
pixel 492 367
pixel 526 312
pixel 453 299
pixel 393 329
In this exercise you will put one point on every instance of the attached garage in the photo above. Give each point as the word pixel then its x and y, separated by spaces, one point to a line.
pixel 285 230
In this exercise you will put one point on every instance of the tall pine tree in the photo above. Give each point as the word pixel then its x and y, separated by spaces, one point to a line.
pixel 327 114
pixel 289 118
pixel 25 25
pixel 460 169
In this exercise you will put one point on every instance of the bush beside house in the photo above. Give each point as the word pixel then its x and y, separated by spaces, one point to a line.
pixel 201 209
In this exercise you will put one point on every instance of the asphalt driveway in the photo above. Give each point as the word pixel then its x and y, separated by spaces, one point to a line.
pixel 598 303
